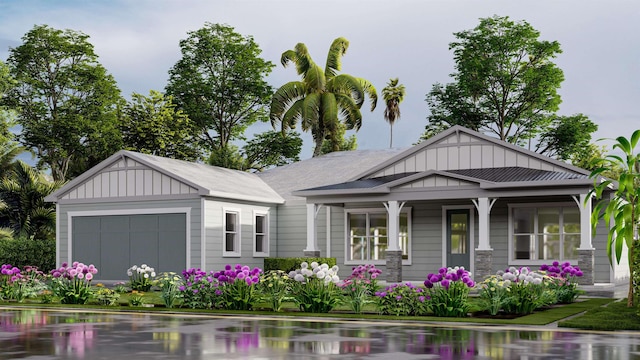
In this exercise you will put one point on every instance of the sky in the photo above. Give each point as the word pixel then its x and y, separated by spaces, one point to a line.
pixel 138 42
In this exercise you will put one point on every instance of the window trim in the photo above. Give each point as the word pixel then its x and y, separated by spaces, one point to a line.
pixel 237 242
pixel 536 206
pixel 265 245
pixel 405 210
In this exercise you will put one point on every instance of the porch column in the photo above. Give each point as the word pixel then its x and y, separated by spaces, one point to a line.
pixel 393 253
pixel 312 249
pixel 586 251
pixel 483 262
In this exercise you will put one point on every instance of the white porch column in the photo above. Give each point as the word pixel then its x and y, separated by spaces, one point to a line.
pixel 312 241
pixel 393 253
pixel 585 221
pixel 484 209
pixel 393 228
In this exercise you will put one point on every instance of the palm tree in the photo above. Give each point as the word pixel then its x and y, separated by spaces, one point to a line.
pixel 22 205
pixel 393 94
pixel 323 99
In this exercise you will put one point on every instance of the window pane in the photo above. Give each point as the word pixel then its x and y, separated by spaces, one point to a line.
pixel 357 236
pixel 523 220
pixel 230 223
pixel 260 243
pixel 378 247
pixel 378 224
pixel 549 220
pixel 230 242
pixel 404 235
pixel 358 224
pixel 548 247
pixel 357 248
pixel 260 224
pixel 458 233
pixel 571 219
pixel 571 244
pixel 522 246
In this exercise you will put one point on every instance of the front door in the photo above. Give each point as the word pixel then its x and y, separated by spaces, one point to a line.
pixel 458 234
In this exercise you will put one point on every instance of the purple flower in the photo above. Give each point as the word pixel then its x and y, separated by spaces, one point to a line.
pixel 421 298
pixel 399 297
pixel 445 283
pixel 555 263
pixel 227 267
pixel 218 292
pixel 428 284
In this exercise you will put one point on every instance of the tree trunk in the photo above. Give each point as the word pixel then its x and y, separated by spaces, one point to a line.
pixel 391 136
pixel 632 268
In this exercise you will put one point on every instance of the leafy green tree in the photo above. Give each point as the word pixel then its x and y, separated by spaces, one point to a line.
pixel 266 150
pixel 272 148
pixel 393 94
pixel 566 136
pixel 323 99
pixel 152 125
pixel 66 100
pixel 220 84
pixel 504 82
pixel 22 205
pixel 622 209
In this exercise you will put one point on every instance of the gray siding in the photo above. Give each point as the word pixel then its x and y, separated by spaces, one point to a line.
pixel 292 230
pixel 140 207
pixel 214 211
pixel 464 151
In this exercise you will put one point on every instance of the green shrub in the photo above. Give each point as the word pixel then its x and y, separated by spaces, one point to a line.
pixel 291 264
pixel 23 252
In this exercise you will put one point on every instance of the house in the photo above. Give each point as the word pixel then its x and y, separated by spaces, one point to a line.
pixel 460 198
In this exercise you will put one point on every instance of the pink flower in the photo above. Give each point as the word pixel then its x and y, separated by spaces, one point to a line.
pixel 89 276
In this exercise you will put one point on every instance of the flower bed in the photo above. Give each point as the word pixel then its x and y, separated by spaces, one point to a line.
pixel 313 288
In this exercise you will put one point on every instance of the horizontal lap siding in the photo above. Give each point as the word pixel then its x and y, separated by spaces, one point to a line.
pixel 144 207
pixel 214 234
pixel 599 242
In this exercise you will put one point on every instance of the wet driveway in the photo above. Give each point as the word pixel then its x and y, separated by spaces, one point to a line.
pixel 35 334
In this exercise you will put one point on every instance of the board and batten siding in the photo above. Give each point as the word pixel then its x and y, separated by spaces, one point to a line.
pixel 138 208
pixel 214 234
pixel 463 151
pixel 128 178
pixel 292 230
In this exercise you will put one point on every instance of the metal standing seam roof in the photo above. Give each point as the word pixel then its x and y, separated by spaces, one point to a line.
pixel 515 174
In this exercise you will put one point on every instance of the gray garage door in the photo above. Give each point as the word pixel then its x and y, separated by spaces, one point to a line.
pixel 116 242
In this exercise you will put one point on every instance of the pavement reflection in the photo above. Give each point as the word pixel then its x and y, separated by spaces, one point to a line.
pixel 52 334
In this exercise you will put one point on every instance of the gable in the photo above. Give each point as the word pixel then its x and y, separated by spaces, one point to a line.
pixel 459 148
pixel 127 178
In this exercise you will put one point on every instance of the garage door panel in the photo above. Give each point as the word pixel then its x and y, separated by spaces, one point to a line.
pixel 114 256
pixel 116 242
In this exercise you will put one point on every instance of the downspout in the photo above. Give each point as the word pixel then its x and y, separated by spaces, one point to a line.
pixel 328 230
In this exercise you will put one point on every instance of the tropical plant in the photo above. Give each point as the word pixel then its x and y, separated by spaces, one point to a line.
pixel 393 94
pixel 322 97
pixel 24 209
pixel 315 288
pixel 449 291
pixel 622 208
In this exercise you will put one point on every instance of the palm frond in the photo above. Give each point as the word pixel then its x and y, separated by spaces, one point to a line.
pixel 370 90
pixel 329 112
pixel 347 85
pixel 334 59
pixel 283 98
pixel 314 78
pixel 311 111
pixel 292 116
pixel 349 112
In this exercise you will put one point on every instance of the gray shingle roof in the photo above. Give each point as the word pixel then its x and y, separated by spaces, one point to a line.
pixel 364 183
pixel 329 169
pixel 514 174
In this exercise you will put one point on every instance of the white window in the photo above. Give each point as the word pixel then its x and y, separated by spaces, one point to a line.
pixel 231 233
pixel 367 238
pixel 544 232
pixel 260 234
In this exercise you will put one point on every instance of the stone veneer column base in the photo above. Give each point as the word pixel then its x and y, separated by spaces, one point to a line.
pixel 312 253
pixel 483 265
pixel 586 262
pixel 394 266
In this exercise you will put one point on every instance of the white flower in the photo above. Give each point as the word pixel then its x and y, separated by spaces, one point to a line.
pixel 153 274
pixel 292 274
pixel 513 270
pixel 521 277
pixel 320 274
pixel 306 272
pixel 528 279
pixel 524 270
pixel 335 279
pixel 134 268
pixel 143 266
pixel 537 281
pixel 324 266
pixel 146 276
pixel 507 283
pixel 335 268
pixel 316 269
pixel 304 265
pixel 299 278
pixel 314 264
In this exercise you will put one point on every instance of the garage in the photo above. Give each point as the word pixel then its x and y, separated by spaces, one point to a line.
pixel 113 243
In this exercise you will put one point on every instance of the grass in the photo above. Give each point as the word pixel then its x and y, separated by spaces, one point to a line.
pixel 614 316
pixel 539 318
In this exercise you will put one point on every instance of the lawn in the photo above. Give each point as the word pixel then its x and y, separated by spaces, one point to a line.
pixel 614 316
pixel 539 318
